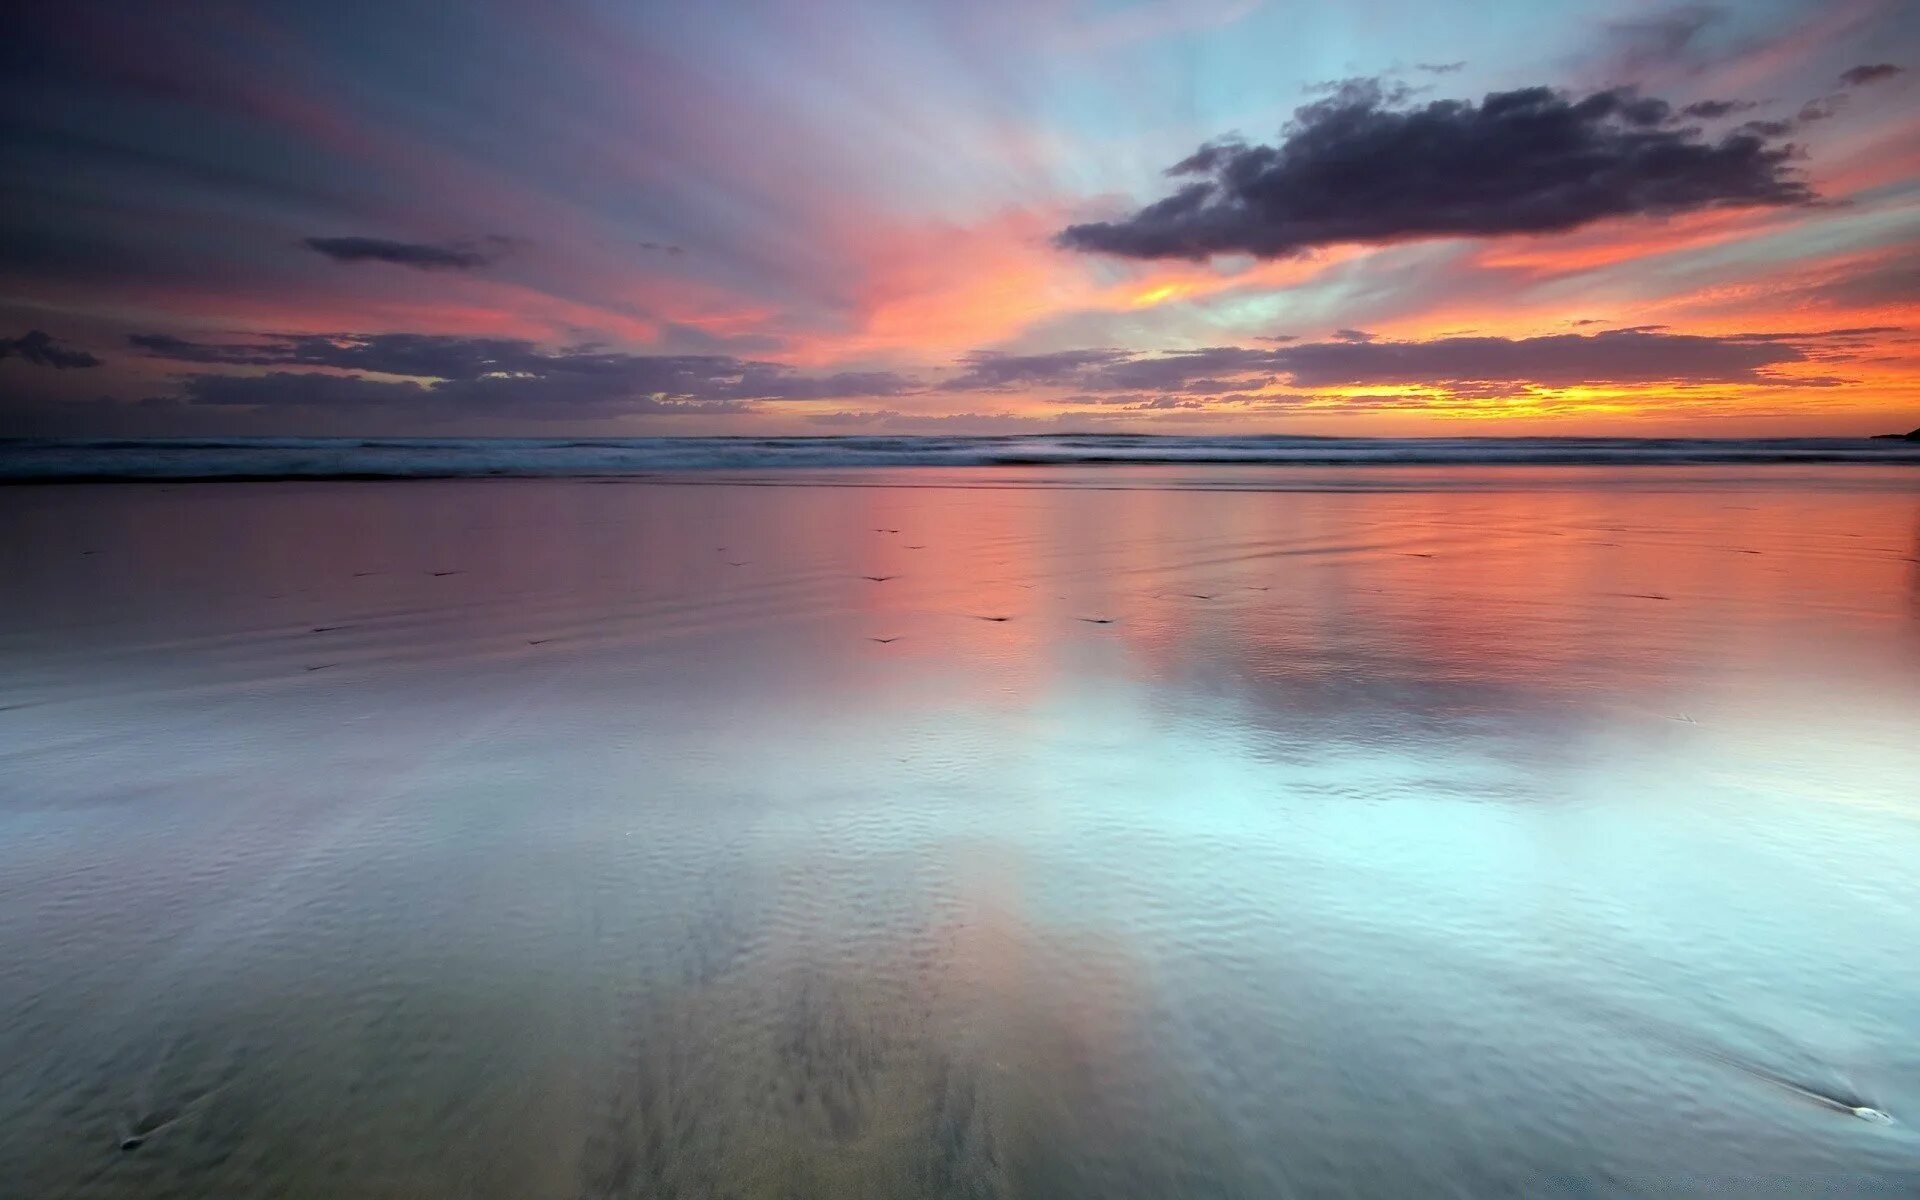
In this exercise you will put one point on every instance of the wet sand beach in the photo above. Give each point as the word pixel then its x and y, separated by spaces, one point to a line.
pixel 1052 831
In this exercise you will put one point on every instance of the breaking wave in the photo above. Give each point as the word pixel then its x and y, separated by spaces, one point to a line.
pixel 50 459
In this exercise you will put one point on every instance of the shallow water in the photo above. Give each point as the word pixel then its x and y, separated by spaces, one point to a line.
pixel 1440 831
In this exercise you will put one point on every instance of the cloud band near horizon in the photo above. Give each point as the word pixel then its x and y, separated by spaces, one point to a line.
pixel 453 375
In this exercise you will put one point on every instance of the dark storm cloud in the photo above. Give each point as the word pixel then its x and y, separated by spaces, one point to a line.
pixel 425 256
pixel 1354 168
pixel 493 376
pixel 1488 365
pixel 39 348
pixel 1869 73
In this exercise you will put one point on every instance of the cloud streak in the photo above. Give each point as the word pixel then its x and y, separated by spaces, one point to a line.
pixel 39 348
pixel 422 256
pixel 1617 357
pixel 444 377
pixel 1869 73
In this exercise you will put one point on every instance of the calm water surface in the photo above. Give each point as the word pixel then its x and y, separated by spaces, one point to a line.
pixel 1380 833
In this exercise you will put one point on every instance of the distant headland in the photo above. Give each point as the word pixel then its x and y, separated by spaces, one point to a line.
pixel 1902 437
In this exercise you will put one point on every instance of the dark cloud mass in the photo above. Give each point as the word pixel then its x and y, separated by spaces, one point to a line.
pixel 482 376
pixel 425 256
pixel 1869 73
pixel 1355 168
pixel 38 347
pixel 1620 357
pixel 444 377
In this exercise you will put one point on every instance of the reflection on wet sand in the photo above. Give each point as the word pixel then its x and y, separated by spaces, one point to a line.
pixel 1146 832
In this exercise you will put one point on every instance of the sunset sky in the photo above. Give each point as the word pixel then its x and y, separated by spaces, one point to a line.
pixel 1394 217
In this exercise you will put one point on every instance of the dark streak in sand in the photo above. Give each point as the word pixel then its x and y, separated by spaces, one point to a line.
pixel 884 641
pixel 322 666
pixel 327 628
pixel 1097 620
pixel 155 1122
pixel 439 574
pixel 879 578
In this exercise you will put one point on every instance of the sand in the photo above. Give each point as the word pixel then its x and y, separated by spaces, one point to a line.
pixel 1058 832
